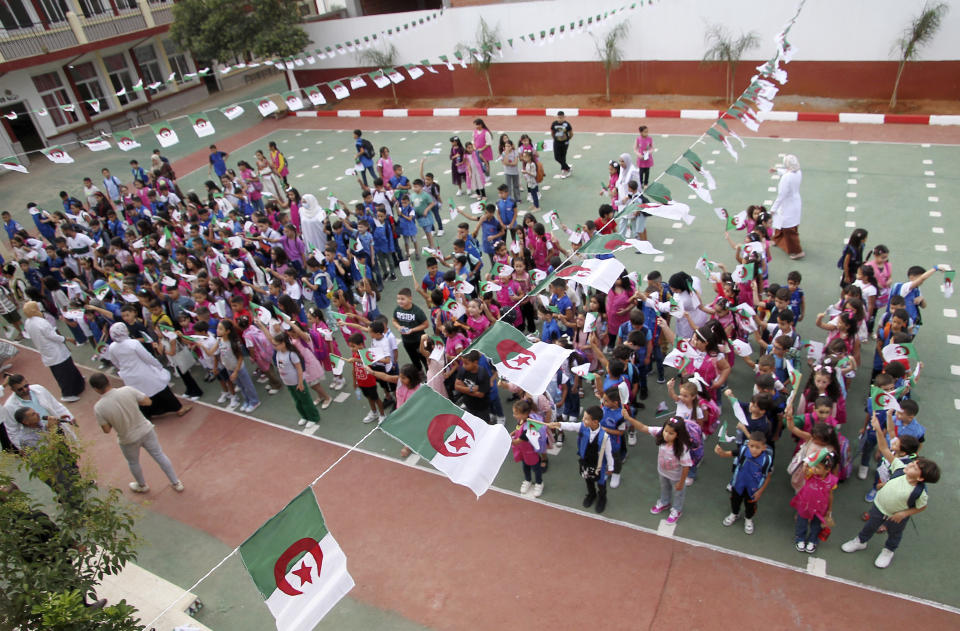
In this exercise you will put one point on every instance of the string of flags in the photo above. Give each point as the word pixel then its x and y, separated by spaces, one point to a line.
pixel 203 126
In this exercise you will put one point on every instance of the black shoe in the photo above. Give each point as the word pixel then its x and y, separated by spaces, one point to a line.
pixel 588 500
pixel 389 403
pixel 641 406
pixel 644 393
pixel 543 466
pixel 601 503
pixel 393 277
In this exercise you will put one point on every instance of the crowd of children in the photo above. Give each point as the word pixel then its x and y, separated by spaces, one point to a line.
pixel 260 285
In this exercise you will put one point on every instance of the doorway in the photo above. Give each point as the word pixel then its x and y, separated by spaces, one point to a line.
pixel 22 128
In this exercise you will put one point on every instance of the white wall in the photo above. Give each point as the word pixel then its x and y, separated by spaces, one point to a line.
pixel 827 30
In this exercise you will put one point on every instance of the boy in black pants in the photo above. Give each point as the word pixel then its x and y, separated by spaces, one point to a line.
pixel 596 457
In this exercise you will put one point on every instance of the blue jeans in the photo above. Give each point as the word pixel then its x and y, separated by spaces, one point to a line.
pixel 807 530
pixel 894 530
pixel 536 469
pixel 363 174
pixel 869 444
pixel 247 389
pixel 535 194
pixel 670 495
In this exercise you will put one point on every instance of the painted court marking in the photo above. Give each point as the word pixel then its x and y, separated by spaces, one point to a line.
pixel 931 185
pixel 940 248
pixel 666 530
pixel 953 339
pixel 852 169
pixel 668 241
pixel 935 213
pixel 956 403
pixel 929 173
pixel 817 566
pixel 936 230
pixel 851 194
pixel 851 181
pixel 955 370
pixel 850 224
pixel 659 258
pixel 933 199
pixel 851 209
pixel 949 313
pixel 340 398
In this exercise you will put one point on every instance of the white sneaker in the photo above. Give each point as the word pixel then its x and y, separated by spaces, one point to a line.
pixel 370 417
pixel 729 519
pixel 136 488
pixel 381 418
pixel 251 408
pixel 234 402
pixel 862 472
pixel 272 391
pixel 689 481
pixel 70 399
pixel 439 233
pixel 538 490
pixel 178 487
pixel 302 421
pixel 632 437
pixel 337 384
pixel 614 480
pixel 263 379
pixel 748 526
pixel 884 558
pixel 524 487
pixel 855 544
pixel 223 397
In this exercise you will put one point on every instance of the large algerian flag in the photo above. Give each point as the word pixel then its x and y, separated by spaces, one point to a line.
pixel 297 565
pixel 461 445
pixel 658 192
pixel 528 365
pixel 600 274
pixel 676 211
pixel 713 133
pixel 614 242
pixel 232 111
pixel 57 155
pixel 96 144
pixel 125 140
pixel 293 100
pixel 13 164
pixel 315 96
pixel 266 106
pixel 165 134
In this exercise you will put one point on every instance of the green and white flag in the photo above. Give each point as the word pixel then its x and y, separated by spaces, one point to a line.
pixel 687 176
pixel 57 155
pixel 525 364
pixel 947 286
pixel 202 126
pixel 293 100
pixel 338 364
pixel 600 274
pixel 461 445
pixel 125 140
pixel 883 400
pixel 13 164
pixel 614 242
pixel 165 134
pixel 297 565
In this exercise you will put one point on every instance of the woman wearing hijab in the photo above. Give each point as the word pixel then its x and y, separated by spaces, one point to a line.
pixel 311 224
pixel 53 352
pixel 787 209
pixel 141 370
pixel 629 173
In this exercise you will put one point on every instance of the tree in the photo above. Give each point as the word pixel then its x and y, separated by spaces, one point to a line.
pixel 284 37
pixel 481 53
pixel 723 48
pixel 921 31
pixel 383 60
pixel 610 52
pixel 47 565
pixel 212 30
pixel 219 30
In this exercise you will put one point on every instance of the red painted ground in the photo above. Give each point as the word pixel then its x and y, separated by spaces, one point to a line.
pixel 425 548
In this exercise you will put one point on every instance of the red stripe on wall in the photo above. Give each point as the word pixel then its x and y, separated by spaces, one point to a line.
pixel 818 117
pixel 907 119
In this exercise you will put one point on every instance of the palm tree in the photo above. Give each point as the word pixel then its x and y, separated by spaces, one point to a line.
pixel 610 52
pixel 723 48
pixel 384 59
pixel 488 40
pixel 921 31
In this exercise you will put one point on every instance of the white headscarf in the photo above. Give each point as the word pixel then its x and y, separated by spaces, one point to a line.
pixel 791 163
pixel 119 332
pixel 627 172
pixel 309 206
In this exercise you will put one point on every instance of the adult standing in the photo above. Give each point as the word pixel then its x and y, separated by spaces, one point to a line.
pixel 35 397
pixel 311 224
pixel 411 322
pixel 141 370
pixel 636 225
pixel 119 409
pixel 787 209
pixel 562 132
pixel 53 352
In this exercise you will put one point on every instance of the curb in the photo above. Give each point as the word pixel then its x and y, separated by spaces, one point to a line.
pixel 816 117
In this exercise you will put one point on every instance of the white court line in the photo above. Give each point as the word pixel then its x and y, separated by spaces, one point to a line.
pixel 589 515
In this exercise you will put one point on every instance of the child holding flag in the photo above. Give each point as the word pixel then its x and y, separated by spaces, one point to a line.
pixel 751 475
pixel 529 441
pixel 814 502
pixel 596 456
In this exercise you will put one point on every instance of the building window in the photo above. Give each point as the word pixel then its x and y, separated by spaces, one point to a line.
pixel 91 8
pixel 150 66
pixel 53 94
pixel 177 60
pixel 89 88
pixel 121 78
pixel 14 14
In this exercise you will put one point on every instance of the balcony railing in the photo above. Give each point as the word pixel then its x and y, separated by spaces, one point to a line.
pixel 36 40
pixel 40 39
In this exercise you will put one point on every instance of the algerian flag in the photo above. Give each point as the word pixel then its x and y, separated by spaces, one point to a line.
pixel 744 310
pixel 13 164
pixel 590 321
pixel 903 353
pixel 373 356
pixel 528 365
pixel 883 400
pixel 57 155
pixel 600 274
pixel 793 376
pixel 266 106
pixel 293 100
pixel 394 75
pixel 315 96
pixel 705 266
pixel 446 61
pixel 738 412
pixel 97 144
pixel 413 71
pixel 339 90
pixel 357 82
pixel 614 242
pixel 125 140
pixel 426 64
pixel 736 222
pixel 551 217
pixel 501 270
pixel 741 348
pixel 713 133
pixel 338 364
pixel 687 176
pixel 814 349
pixel 454 308
pixel 406 268
pixel 743 273
pixel 462 446
pixel 232 111
pixel 94 104
pixel 464 287
pixel 676 211
pixel 583 370
pixel 165 134
pixel 201 125
pixel 488 286
pixel 658 192
pixel 297 565
pixel 947 286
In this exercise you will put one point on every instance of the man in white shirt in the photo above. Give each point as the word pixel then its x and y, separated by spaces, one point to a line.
pixel 79 245
pixel 35 397
pixel 89 191
pixel 119 410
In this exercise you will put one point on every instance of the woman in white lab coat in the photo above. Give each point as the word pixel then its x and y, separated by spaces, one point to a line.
pixel 787 209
